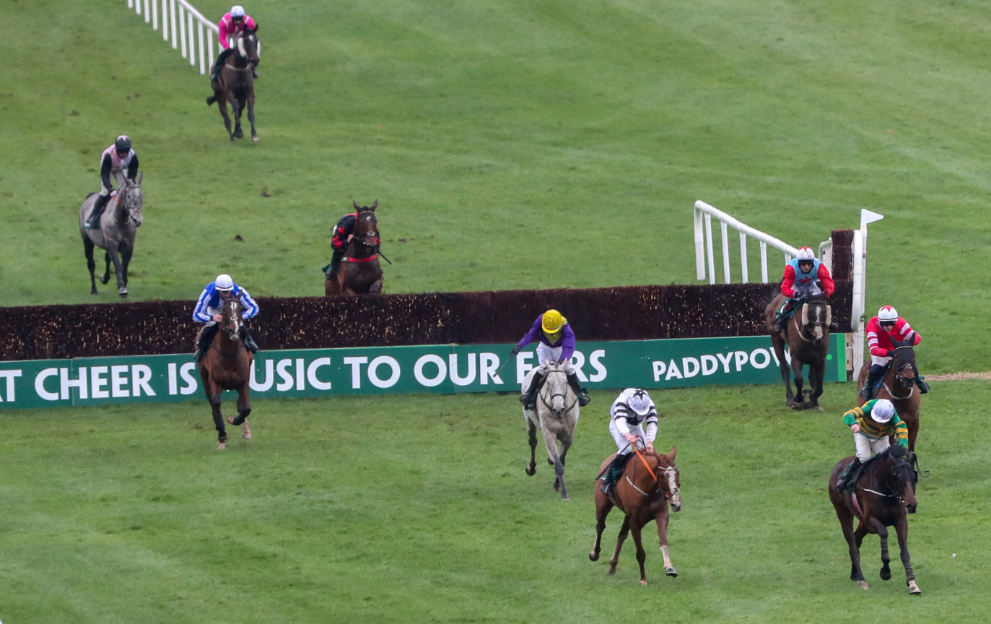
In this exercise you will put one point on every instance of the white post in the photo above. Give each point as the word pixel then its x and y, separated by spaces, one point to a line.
pixel 724 237
pixel 130 4
pixel 175 39
pixel 743 256
pixel 699 245
pixel 182 29
pixel 708 244
pixel 857 309
pixel 763 262
pixel 192 52
pixel 202 56
pixel 154 14
pixel 137 6
pixel 165 20
pixel 209 49
pixel 147 13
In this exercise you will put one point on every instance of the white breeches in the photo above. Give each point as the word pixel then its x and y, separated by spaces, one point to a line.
pixel 869 447
pixel 883 361
pixel 620 439
pixel 547 354
pixel 115 176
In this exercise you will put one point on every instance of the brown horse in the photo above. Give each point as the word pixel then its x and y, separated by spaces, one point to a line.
pixel 899 386
pixel 883 498
pixel 361 273
pixel 227 366
pixel 648 482
pixel 237 85
pixel 807 337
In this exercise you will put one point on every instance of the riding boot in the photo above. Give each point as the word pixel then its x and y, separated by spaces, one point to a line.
pixel 335 264
pixel 249 342
pixel 254 73
pixel 93 222
pixel 529 398
pixel 580 392
pixel 849 475
pixel 219 65
pixel 206 337
pixel 920 381
pixel 781 318
pixel 867 393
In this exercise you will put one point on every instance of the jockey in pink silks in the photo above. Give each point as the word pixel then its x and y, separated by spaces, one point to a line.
pixel 231 25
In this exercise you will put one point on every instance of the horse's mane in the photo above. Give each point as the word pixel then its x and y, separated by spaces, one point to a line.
pixel 896 451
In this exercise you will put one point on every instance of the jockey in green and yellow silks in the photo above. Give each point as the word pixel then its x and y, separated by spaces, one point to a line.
pixel 871 424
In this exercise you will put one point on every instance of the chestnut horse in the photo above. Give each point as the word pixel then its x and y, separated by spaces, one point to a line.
pixel 648 482
pixel 360 273
pixel 227 366
pixel 808 343
pixel 899 386
pixel 237 85
pixel 883 497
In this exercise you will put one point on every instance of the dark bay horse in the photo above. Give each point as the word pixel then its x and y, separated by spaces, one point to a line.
pixel 556 417
pixel 899 386
pixel 807 337
pixel 361 273
pixel 118 228
pixel 648 483
pixel 237 85
pixel 883 497
pixel 227 366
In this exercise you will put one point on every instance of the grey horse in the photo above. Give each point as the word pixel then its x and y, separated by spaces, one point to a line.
pixel 556 416
pixel 118 227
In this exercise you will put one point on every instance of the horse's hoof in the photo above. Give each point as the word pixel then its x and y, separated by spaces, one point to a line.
pixel 557 485
pixel 230 420
pixel 885 574
pixel 913 589
pixel 245 430
pixel 566 498
pixel 863 585
pixel 254 137
pixel 612 571
pixel 643 582
pixel 817 408
pixel 671 572
pixel 122 291
pixel 105 279
pixel 530 470
pixel 593 556
pixel 221 446
pixel 550 461
pixel 93 292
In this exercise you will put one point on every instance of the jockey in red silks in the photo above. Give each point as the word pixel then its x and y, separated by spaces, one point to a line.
pixel 230 26
pixel 341 236
pixel 881 329
pixel 803 276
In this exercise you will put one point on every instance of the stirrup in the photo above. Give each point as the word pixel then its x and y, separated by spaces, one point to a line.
pixel 583 398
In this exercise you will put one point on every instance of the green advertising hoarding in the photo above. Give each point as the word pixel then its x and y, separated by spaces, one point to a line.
pixel 443 369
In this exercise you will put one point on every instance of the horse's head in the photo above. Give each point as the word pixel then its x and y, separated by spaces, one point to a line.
pixel 232 321
pixel 903 361
pixel 366 226
pixel 556 390
pixel 129 200
pixel 897 475
pixel 248 46
pixel 816 318
pixel 670 478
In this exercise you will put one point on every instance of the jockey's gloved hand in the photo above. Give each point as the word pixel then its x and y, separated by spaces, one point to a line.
pixel 889 353
pixel 515 350
pixel 561 361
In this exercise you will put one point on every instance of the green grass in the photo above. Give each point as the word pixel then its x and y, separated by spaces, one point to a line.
pixel 514 145
pixel 416 509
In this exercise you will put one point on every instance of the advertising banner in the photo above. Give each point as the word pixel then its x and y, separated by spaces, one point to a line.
pixel 443 369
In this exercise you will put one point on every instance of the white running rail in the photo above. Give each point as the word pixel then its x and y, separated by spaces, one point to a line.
pixel 180 16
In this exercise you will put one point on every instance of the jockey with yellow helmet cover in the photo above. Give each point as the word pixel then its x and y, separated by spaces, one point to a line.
pixel 871 424
pixel 556 344
pixel 881 330
pixel 802 278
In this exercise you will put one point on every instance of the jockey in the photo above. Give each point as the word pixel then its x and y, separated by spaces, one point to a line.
pixel 871 426
pixel 231 25
pixel 804 276
pixel 339 240
pixel 557 344
pixel 209 307
pixel 881 329
pixel 632 416
pixel 115 159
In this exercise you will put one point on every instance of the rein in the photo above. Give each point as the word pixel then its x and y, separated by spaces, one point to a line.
pixel 558 394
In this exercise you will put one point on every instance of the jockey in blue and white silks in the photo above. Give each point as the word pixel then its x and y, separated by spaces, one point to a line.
pixel 209 307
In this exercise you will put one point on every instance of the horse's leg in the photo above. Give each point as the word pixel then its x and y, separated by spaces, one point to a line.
pixel 222 105
pixel 857 574
pixel 796 367
pixel 661 519
pixel 602 510
pixel 126 253
pixel 106 270
pixel 243 410
pixel 623 532
pixel 550 439
pixel 251 113
pixel 118 267
pixel 90 263
pixel 238 106
pixel 375 288
pixel 779 351
pixel 641 553
pixel 913 429
pixel 531 432
pixel 212 391
pixel 901 529
pixel 882 532
pixel 815 384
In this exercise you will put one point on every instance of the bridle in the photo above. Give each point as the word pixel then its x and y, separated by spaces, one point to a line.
pixel 673 469
pixel 564 395
pixel 130 208
pixel 234 306
pixel 817 323
pixel 889 478
pixel 369 218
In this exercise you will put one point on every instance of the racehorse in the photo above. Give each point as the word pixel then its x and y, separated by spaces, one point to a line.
pixel 649 481
pixel 899 386
pixel 883 498
pixel 118 228
pixel 227 366
pixel 237 85
pixel 360 273
pixel 556 416
pixel 808 343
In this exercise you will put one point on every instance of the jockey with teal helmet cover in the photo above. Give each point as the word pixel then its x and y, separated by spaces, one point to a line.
pixel 802 278
pixel 881 330
pixel 231 25
pixel 210 306
pixel 114 161
pixel 871 425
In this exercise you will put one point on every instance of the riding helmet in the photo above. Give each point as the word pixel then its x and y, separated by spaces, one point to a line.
pixel 806 253
pixel 237 11
pixel 224 282
pixel 552 321
pixel 882 411
pixel 887 313
pixel 639 402
pixel 122 144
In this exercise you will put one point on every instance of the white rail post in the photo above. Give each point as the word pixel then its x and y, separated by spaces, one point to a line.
pixel 724 237
pixel 147 13
pixel 202 56
pixel 763 262
pixel 154 14
pixel 182 29
pixel 699 245
pixel 192 51
pixel 743 256
pixel 708 244
pixel 175 38
pixel 130 4
pixel 858 316
pixel 137 6
pixel 165 20
pixel 209 49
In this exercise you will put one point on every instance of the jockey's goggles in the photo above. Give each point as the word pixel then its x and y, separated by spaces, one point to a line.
pixel 887 323
pixel 123 155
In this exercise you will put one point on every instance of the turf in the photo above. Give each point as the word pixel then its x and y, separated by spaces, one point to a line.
pixel 513 145
pixel 417 509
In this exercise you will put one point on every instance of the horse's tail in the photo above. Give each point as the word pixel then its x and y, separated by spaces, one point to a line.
pixel 210 100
